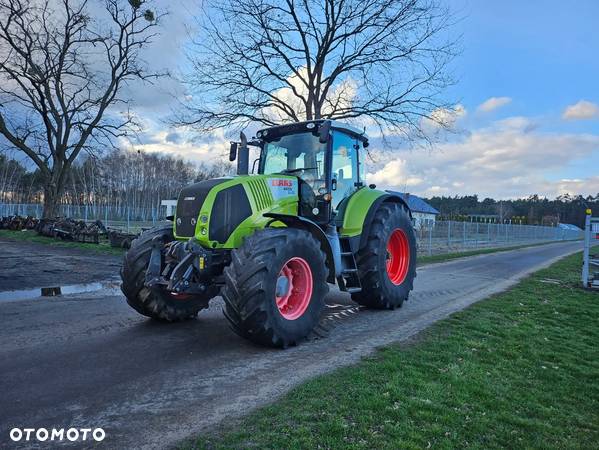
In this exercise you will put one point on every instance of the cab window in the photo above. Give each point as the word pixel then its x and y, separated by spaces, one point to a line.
pixel 299 154
pixel 344 166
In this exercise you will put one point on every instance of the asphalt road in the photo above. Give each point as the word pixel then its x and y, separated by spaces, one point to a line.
pixel 91 361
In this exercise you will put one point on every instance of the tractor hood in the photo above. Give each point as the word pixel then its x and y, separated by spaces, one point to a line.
pixel 221 211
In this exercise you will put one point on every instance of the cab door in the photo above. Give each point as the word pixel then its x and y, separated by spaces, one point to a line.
pixel 345 178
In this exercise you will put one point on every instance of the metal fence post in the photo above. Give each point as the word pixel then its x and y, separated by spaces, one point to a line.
pixel 448 236
pixel 430 240
pixel 586 252
pixel 464 243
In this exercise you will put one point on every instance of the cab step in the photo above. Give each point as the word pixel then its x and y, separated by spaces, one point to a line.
pixel 348 280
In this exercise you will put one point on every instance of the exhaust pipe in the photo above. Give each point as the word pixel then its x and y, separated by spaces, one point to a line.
pixel 243 156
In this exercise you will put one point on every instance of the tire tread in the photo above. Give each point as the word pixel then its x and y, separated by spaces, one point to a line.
pixel 373 295
pixel 243 293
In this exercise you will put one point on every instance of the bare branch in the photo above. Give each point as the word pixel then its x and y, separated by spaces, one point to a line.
pixel 62 70
pixel 381 62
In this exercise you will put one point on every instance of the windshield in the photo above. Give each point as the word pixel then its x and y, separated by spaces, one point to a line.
pixel 299 154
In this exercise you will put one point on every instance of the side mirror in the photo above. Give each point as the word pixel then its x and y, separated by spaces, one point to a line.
pixel 233 151
pixel 323 132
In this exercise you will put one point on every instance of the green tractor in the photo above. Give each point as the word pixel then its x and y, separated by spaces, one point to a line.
pixel 270 243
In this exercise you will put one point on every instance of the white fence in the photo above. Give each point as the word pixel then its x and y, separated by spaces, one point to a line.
pixel 442 237
pixel 449 236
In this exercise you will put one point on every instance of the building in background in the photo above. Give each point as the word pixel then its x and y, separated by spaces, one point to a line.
pixel 171 205
pixel 424 215
pixel 485 218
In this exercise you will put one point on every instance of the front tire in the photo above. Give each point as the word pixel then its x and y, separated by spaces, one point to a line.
pixel 275 286
pixel 158 304
pixel 387 262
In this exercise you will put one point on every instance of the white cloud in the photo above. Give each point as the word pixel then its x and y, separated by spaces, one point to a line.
pixel 440 123
pixel 392 172
pixel 493 103
pixel 443 118
pixel 581 110
pixel 508 159
pixel 213 148
pixel 342 95
pixel 574 186
pixel 288 97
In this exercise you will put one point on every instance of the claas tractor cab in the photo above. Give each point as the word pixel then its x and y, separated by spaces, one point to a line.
pixel 270 243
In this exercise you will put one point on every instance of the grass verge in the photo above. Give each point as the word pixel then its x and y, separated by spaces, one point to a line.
pixel 31 236
pixel 519 370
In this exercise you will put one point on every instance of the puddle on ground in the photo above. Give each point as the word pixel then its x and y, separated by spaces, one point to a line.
pixel 54 291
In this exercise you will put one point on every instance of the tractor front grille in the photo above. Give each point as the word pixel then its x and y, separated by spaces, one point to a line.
pixel 231 207
pixel 189 204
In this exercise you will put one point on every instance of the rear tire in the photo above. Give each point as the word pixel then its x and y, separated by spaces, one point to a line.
pixel 250 292
pixel 154 303
pixel 387 262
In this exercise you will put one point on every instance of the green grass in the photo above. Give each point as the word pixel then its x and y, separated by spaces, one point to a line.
pixel 519 370
pixel 31 236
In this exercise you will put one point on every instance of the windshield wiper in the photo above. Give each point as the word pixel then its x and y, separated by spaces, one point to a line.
pixel 298 169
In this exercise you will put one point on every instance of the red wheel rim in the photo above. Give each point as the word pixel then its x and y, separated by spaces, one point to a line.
pixel 398 256
pixel 295 301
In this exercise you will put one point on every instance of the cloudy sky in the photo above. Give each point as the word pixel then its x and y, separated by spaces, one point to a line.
pixel 527 105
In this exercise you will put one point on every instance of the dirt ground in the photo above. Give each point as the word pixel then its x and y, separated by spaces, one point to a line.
pixel 25 265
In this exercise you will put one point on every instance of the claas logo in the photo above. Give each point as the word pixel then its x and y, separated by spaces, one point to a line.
pixel 284 183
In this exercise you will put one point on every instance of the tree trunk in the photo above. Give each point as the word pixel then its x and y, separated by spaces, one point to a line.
pixel 51 197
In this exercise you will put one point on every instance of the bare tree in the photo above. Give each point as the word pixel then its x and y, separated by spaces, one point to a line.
pixel 505 211
pixel 381 63
pixel 63 65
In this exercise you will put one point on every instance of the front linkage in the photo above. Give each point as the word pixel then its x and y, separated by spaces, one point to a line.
pixel 185 268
